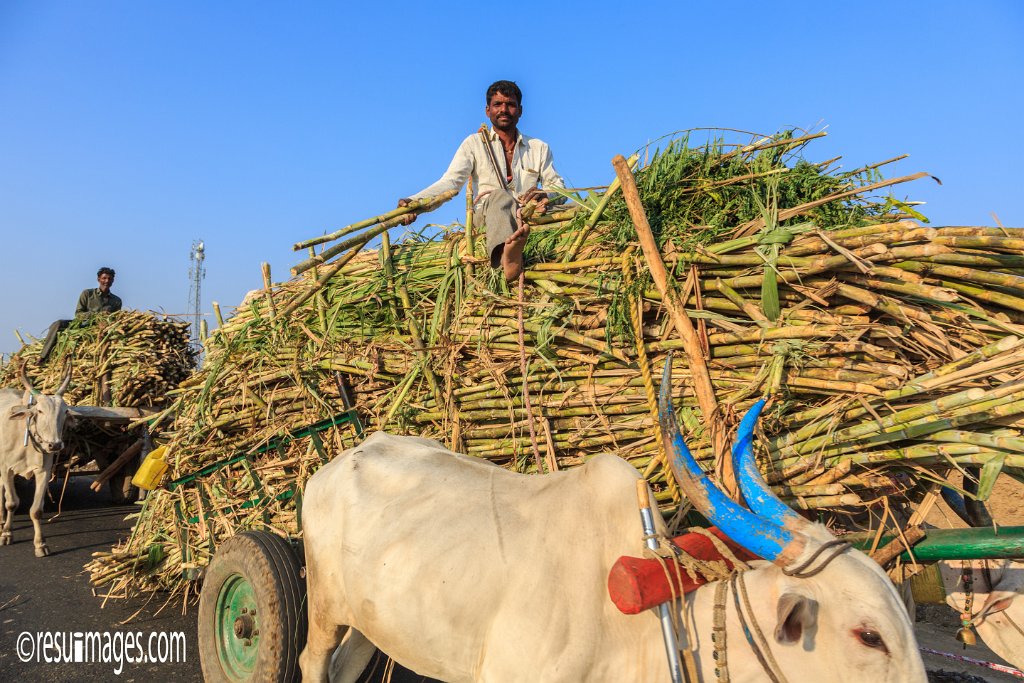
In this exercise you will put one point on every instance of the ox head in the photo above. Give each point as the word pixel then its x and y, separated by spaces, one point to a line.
pixel 997 608
pixel 830 601
pixel 44 415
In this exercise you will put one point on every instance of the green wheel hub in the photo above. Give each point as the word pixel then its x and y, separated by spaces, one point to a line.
pixel 252 611
pixel 238 628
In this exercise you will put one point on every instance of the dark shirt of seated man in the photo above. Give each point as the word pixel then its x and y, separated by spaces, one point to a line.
pixel 99 299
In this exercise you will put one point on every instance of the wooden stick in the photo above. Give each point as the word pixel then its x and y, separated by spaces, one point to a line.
pixel 470 233
pixel 116 466
pixel 888 552
pixel 698 368
pixel 419 206
pixel 265 268
pixel 750 227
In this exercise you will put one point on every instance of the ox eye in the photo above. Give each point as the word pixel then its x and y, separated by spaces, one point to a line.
pixel 872 639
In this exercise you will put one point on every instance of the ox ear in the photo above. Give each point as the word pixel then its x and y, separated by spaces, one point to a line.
pixel 997 602
pixel 19 412
pixel 797 614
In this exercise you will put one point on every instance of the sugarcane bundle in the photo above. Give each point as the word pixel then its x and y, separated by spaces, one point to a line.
pixel 123 359
pixel 890 351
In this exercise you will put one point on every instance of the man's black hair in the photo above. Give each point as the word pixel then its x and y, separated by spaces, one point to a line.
pixel 506 88
pixel 105 271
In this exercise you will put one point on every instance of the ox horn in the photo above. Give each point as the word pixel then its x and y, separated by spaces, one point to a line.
pixel 64 384
pixel 760 536
pixel 24 378
pixel 762 500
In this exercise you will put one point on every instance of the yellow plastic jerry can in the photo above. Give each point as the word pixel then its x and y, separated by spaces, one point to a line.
pixel 152 469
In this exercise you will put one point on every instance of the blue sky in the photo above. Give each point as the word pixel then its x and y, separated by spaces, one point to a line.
pixel 129 129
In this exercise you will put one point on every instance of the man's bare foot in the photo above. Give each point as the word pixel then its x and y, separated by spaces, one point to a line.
pixel 512 254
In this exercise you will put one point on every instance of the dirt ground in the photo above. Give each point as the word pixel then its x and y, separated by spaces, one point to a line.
pixel 937 625
pixel 1006 505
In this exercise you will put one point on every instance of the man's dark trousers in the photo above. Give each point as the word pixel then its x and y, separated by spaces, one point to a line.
pixel 51 338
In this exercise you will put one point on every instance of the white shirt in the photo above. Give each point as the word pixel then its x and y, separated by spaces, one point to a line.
pixel 532 163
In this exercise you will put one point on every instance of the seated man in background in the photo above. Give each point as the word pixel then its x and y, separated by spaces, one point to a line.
pixel 93 300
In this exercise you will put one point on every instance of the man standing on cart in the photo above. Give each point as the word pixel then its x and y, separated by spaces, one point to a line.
pixel 508 170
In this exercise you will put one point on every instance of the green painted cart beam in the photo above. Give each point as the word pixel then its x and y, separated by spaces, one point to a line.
pixel 957 544
pixel 310 430
pixel 202 472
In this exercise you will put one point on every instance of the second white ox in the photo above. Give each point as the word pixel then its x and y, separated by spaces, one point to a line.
pixel 997 609
pixel 31 435
pixel 463 571
pixel 991 590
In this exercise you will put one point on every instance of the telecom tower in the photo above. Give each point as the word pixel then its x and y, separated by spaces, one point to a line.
pixel 196 273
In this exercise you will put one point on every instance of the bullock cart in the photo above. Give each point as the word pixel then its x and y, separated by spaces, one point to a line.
pixel 252 618
pixel 103 437
pixel 888 360
pixel 124 368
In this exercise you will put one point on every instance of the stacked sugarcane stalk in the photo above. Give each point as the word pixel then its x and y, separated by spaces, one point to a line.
pixel 128 359
pixel 123 359
pixel 890 352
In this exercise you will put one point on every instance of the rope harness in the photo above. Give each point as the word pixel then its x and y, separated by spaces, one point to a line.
pixel 711 571
pixel 761 648
pixel 802 572
pixel 748 622
pixel 506 185
pixel 32 435
pixel 719 573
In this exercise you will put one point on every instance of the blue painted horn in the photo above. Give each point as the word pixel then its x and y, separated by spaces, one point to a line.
pixel 761 499
pixel 759 536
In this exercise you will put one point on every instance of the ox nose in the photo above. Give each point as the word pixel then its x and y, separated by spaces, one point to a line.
pixel 55 446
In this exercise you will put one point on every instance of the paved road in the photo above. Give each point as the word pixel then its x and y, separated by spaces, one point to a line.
pixel 52 594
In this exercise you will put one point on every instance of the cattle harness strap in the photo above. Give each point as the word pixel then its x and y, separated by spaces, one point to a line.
pixel 716 571
pixel 802 572
pixel 718 633
pixel 30 420
pixel 965 634
pixel 761 648
pixel 752 630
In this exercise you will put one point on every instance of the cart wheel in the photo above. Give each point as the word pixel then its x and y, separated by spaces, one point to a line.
pixel 252 611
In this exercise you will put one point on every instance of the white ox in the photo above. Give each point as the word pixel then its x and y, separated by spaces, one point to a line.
pixel 997 610
pixel 31 435
pixel 463 571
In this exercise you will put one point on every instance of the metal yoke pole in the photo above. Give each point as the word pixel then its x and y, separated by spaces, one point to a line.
pixel 668 630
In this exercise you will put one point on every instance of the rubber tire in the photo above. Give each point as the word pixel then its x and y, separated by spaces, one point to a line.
pixel 271 566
